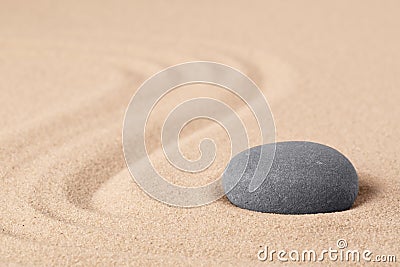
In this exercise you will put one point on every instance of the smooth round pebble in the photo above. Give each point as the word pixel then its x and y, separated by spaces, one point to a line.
pixel 304 178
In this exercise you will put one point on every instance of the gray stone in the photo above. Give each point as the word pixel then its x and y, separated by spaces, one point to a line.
pixel 304 178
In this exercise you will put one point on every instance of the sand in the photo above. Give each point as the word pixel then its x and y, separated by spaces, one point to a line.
pixel 68 71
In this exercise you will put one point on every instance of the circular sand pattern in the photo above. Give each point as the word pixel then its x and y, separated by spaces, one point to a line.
pixel 153 90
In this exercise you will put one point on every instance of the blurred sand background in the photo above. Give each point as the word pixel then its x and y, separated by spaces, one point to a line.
pixel 330 71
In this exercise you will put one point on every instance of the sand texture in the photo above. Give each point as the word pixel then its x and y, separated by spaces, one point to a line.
pixel 330 72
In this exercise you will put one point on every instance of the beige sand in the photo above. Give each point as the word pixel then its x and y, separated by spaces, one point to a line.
pixel 330 72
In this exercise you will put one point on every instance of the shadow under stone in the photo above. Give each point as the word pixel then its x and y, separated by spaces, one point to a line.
pixel 367 189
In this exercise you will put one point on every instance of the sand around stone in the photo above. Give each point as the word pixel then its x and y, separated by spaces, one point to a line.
pixel 330 73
